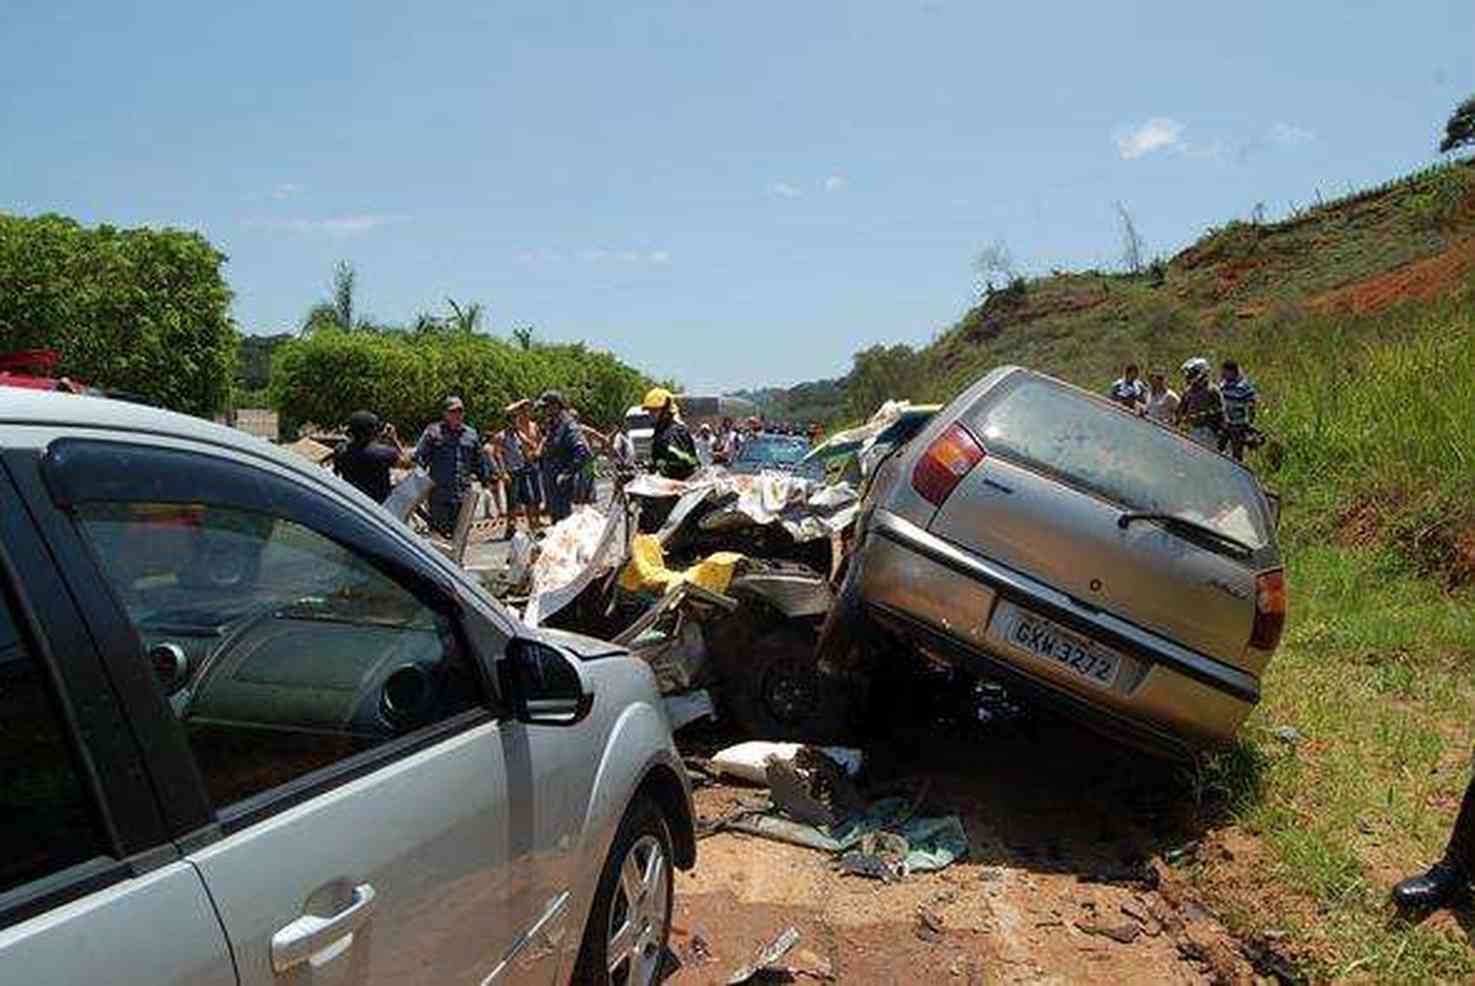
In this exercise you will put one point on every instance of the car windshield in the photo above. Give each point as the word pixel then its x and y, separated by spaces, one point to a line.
pixel 639 421
pixel 1113 454
pixel 768 451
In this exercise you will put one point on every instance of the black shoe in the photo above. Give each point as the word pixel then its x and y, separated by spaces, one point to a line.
pixel 1434 889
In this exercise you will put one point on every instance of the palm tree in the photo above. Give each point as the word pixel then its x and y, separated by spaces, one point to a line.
pixel 337 313
pixel 465 320
pixel 523 337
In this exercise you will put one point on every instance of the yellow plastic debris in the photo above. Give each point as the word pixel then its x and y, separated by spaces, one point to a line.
pixel 646 570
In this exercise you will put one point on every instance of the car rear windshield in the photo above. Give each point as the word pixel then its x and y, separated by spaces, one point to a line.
pixel 1056 430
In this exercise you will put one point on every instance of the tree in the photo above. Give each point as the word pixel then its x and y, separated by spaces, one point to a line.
pixel 142 310
pixel 880 374
pixel 336 312
pixel 994 259
pixel 466 320
pixel 523 337
pixel 1460 130
pixel 1131 241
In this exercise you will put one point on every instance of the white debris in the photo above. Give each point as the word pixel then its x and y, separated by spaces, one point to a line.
pixel 749 761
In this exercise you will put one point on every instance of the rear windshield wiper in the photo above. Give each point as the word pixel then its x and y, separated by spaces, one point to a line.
pixel 1183 524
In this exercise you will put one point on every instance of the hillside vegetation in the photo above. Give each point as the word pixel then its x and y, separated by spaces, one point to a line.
pixel 1357 321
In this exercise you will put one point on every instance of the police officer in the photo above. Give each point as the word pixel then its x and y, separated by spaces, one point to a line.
pixel 564 454
pixel 452 453
pixel 371 451
pixel 672 450
pixel 1447 879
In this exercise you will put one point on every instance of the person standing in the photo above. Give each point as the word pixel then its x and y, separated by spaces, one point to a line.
pixel 726 447
pixel 518 470
pixel 1447 879
pixel 1240 404
pixel 451 452
pixel 368 455
pixel 1129 391
pixel 587 485
pixel 1201 409
pixel 1162 400
pixel 622 447
pixel 530 436
pixel 564 454
pixel 706 445
pixel 672 451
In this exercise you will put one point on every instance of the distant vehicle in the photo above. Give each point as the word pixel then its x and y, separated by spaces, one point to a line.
pixel 258 732
pixel 779 453
pixel 1034 533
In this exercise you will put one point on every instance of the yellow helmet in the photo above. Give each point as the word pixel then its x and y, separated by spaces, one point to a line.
pixel 656 398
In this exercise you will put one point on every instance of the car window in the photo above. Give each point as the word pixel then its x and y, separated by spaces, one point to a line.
pixel 1112 453
pixel 280 651
pixel 770 451
pixel 47 818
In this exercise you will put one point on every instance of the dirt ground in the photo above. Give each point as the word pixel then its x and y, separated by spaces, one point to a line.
pixel 1066 880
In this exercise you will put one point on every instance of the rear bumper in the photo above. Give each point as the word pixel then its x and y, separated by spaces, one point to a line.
pixel 942 597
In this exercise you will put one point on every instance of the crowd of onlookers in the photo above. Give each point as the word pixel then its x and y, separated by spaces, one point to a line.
pixel 539 460
pixel 1220 415
pixel 537 464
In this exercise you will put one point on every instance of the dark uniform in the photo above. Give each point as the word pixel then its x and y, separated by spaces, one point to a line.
pixel 366 465
pixel 672 450
pixel 452 457
pixel 564 455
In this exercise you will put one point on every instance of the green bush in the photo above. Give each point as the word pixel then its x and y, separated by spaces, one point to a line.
pixel 138 310
pixel 403 378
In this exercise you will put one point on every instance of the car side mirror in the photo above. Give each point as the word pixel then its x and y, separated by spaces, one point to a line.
pixel 545 686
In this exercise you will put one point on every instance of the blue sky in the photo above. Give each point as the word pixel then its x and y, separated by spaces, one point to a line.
pixel 730 193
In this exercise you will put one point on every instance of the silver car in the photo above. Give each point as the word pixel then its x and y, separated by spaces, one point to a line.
pixel 253 731
pixel 1079 553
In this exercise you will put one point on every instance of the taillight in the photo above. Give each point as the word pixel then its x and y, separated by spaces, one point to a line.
pixel 1270 610
pixel 946 461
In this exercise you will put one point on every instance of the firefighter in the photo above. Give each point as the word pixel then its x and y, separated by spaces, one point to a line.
pixel 673 453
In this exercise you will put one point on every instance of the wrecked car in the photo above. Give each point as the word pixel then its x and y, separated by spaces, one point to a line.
pixel 1080 555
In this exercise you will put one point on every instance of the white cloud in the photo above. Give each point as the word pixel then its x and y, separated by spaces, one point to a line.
pixel 285 191
pixel 1290 135
pixel 783 190
pixel 333 226
pixel 835 183
pixel 1156 134
pixel 621 256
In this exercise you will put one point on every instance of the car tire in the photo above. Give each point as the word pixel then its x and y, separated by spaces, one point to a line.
pixel 640 867
pixel 771 687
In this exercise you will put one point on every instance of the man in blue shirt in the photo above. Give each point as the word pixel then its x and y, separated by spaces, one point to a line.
pixel 1129 391
pixel 564 454
pixel 1240 401
pixel 451 452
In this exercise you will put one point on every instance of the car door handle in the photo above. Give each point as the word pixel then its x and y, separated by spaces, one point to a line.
pixel 310 934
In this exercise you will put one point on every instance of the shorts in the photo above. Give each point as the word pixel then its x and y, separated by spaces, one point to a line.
pixel 522 489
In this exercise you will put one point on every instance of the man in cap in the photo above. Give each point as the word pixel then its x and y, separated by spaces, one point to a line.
pixel 672 451
pixel 564 454
pixel 452 453
pixel 368 455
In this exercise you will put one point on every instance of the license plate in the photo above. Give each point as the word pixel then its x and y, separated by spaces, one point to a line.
pixel 1049 641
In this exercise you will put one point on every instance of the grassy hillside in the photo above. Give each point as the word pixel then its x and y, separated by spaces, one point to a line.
pixel 1356 318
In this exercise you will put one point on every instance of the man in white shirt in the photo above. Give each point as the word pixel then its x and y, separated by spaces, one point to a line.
pixel 1162 400
pixel 705 443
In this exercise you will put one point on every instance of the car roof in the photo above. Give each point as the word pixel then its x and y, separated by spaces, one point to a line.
pixel 26 407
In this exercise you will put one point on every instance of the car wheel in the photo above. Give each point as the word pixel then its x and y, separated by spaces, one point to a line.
pixel 630 923
pixel 773 689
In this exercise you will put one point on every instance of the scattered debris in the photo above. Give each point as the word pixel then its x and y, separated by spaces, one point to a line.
pixel 749 761
pixel 685 709
pixel 930 925
pixel 1267 960
pixel 698 952
pixel 881 856
pixel 766 957
pixel 811 965
pixel 1124 934
pixel 1287 734
pixel 1182 854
